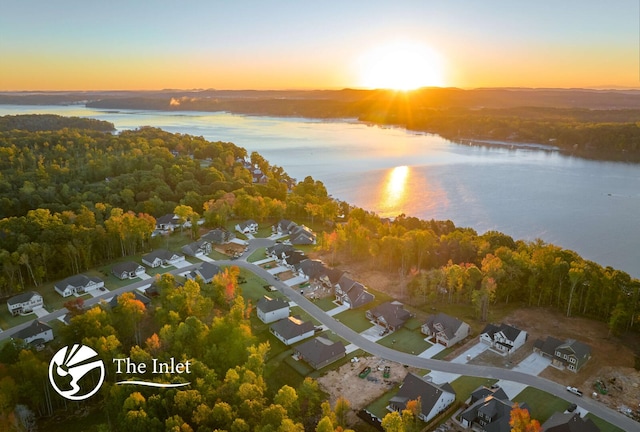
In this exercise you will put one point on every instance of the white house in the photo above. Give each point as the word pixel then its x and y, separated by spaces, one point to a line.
pixel 292 329
pixel 127 270
pixel 504 339
pixel 434 399
pixel 77 285
pixel 24 303
pixel 198 248
pixel 161 257
pixel 247 227
pixel 38 333
pixel 270 310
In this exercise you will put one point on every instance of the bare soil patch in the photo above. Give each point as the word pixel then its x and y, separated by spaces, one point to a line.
pixel 344 382
pixel 230 249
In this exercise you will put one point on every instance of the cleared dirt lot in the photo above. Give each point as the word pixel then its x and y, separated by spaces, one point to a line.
pixel 361 392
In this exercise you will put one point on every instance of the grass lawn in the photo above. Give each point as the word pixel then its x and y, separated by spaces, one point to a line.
pixel 379 406
pixel 326 304
pixel 257 255
pixel 354 319
pixel 253 288
pixel 466 384
pixel 604 426
pixel 304 316
pixel 413 324
pixel 542 405
pixel 8 321
pixel 466 313
pixel 410 342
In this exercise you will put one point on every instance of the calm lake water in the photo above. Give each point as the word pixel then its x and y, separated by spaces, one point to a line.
pixel 587 206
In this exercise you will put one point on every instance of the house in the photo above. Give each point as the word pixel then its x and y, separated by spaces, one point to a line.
pixel 490 413
pixel 197 248
pixel 167 223
pixel 301 235
pixel 247 227
pixel 434 399
pixel 292 258
pixel 77 285
pixel 270 310
pixel 284 226
pixel 320 352
pixel 311 269
pixel 503 338
pixel 219 236
pixel 162 257
pixel 279 250
pixel 257 176
pixel 570 354
pixel 390 315
pixel 127 270
pixel 24 303
pixel 292 329
pixel 352 293
pixel 37 333
pixel 445 330
pixel 569 422
pixel 206 272
pixel 136 296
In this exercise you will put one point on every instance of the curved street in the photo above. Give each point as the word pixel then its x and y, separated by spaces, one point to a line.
pixel 598 409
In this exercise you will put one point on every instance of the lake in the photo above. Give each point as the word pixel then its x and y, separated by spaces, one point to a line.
pixel 588 206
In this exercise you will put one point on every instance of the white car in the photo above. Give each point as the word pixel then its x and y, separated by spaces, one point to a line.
pixel 574 390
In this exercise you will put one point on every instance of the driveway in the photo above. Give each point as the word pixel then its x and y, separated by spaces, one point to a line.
pixel 432 350
pixel 144 276
pixel 264 261
pixel 40 312
pixel 278 270
pixel 182 264
pixel 373 333
pixel 338 309
pixel 206 259
pixel 534 364
pixel 295 280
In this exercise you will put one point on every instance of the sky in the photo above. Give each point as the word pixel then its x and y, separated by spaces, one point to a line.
pixel 191 44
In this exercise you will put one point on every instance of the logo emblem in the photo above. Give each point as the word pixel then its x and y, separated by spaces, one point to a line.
pixel 70 366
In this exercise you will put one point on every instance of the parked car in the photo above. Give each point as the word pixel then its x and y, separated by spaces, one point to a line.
pixel 574 390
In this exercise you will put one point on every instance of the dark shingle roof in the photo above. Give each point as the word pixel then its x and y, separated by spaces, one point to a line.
pixel 291 327
pixel 449 324
pixel 137 296
pixel 267 304
pixel 21 298
pixel 320 350
pixel 414 387
pixel 127 266
pixel 34 329
pixel 548 346
pixel 208 270
pixel 393 313
pixel 76 281
pixel 509 331
pixel 578 348
pixel 570 422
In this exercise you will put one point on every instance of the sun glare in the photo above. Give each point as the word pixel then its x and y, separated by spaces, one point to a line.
pixel 394 193
pixel 401 65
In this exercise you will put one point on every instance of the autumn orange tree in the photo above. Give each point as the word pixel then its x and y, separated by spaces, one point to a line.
pixel 521 421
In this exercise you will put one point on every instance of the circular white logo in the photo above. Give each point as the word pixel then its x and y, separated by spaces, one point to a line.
pixel 74 363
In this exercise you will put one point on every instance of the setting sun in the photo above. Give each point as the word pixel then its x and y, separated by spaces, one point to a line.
pixel 401 65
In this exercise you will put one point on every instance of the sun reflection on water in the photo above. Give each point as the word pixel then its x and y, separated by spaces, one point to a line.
pixel 395 189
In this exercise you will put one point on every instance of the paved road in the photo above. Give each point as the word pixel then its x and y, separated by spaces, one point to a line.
pixel 358 340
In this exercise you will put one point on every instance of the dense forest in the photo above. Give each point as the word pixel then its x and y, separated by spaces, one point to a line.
pixel 73 199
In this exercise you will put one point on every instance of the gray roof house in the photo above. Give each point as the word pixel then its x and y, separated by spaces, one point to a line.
pixel 320 352
pixel 197 248
pixel 167 223
pixel 270 310
pixel 352 293
pixel 570 354
pixel 390 315
pixel 302 235
pixel 161 257
pixel 490 413
pixel 292 329
pixel 77 285
pixel 445 330
pixel 434 399
pixel 283 226
pixel 206 272
pixel 247 227
pixel 37 333
pixel 127 270
pixel 503 338
pixel 219 236
pixel 24 303
pixel 279 250
pixel 569 422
